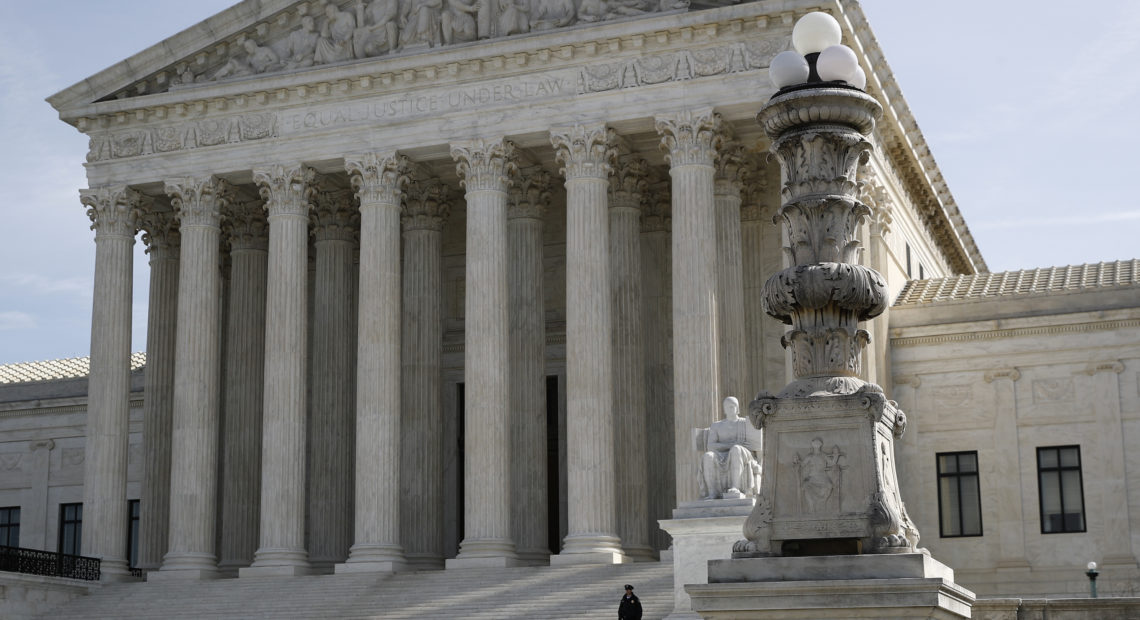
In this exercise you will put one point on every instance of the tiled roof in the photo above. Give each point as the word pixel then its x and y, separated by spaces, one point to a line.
pixel 1025 282
pixel 70 368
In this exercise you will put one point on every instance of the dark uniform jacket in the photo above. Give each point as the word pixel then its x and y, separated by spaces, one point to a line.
pixel 630 608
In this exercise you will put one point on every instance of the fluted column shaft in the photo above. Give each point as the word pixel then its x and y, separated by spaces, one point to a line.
pixel 424 212
pixel 162 239
pixel 333 401
pixel 657 335
pixel 485 167
pixel 761 257
pixel 113 211
pixel 194 442
pixel 377 179
pixel 627 185
pixel 281 550
pixel 688 139
pixel 587 155
pixel 734 374
pixel 529 506
pixel 247 232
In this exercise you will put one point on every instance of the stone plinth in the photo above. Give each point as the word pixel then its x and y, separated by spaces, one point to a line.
pixel 911 585
pixel 702 531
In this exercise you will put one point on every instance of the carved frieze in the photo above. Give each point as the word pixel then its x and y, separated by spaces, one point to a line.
pixel 681 65
pixel 182 136
pixel 1053 390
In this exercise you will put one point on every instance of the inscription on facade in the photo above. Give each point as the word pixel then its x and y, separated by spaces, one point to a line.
pixel 404 107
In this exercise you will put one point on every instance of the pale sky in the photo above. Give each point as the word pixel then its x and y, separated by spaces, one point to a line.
pixel 1028 106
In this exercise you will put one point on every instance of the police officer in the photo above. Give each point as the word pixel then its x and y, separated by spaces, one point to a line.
pixel 630 607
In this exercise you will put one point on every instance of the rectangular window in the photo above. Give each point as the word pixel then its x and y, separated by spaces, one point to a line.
pixel 1061 489
pixel 959 495
pixel 908 271
pixel 921 272
pixel 10 526
pixel 133 532
pixel 70 528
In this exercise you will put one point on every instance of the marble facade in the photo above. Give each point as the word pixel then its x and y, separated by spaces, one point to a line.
pixel 427 295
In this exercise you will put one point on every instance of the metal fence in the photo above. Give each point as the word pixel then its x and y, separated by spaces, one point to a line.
pixel 36 562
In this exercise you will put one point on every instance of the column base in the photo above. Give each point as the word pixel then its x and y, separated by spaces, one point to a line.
pixel 112 570
pixel 534 558
pixel 278 563
pixel 482 562
pixel 589 549
pixel 640 553
pixel 381 566
pixel 485 553
pixel 182 574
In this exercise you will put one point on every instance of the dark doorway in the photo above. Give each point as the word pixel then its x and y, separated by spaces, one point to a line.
pixel 553 523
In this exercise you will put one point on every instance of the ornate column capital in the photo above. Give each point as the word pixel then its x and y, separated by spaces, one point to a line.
pixel 334 216
pixel 199 201
pixel 657 208
pixel 427 204
pixel 378 177
pixel 690 137
pixel 584 150
pixel 629 183
pixel 754 194
pixel 485 165
pixel 245 225
pixel 160 231
pixel 1113 366
pixel 286 189
pixel 731 169
pixel 529 197
pixel 114 209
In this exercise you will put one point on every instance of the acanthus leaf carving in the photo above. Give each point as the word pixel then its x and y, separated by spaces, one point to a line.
pixel 245 226
pixel 286 189
pixel 584 150
pixel 159 230
pixel 114 210
pixel 485 165
pixel 427 204
pixel 199 201
pixel 530 196
pixel 378 178
pixel 629 182
pixel 334 216
pixel 690 137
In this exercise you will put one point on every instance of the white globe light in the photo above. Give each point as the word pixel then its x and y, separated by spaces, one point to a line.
pixel 860 78
pixel 788 68
pixel 837 62
pixel 815 32
pixel 1092 565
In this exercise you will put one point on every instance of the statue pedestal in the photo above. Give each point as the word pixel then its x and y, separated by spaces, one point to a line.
pixel 910 585
pixel 702 531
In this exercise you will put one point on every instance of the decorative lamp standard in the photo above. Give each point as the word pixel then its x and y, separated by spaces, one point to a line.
pixel 1092 573
pixel 829 485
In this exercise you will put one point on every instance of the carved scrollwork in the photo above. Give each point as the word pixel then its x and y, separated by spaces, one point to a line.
pixel 159 230
pixel 690 137
pixel 113 210
pixel 378 178
pixel 199 201
pixel 757 531
pixel 850 292
pixel 821 161
pixel 822 229
pixel 427 204
pixel 584 151
pixel 245 226
pixel 334 216
pixel 629 182
pixel 530 196
pixel 287 189
pixel 657 207
pixel 485 165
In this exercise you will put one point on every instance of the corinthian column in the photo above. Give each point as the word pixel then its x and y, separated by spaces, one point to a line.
pixel 688 139
pixel 761 257
pixel 287 192
pixel 160 234
pixel 587 155
pixel 247 234
pixel 657 335
pixel 485 167
pixel 194 443
pixel 529 199
pixel 114 214
pixel 331 454
pixel 730 172
pixel 627 186
pixel 378 179
pixel 426 207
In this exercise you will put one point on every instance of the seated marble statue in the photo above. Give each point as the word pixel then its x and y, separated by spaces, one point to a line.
pixel 728 468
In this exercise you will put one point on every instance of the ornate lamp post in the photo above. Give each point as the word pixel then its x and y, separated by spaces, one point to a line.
pixel 829 485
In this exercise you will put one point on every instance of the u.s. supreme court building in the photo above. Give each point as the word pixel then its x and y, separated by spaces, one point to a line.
pixel 436 285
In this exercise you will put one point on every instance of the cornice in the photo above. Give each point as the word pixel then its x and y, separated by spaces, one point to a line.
pixel 1020 332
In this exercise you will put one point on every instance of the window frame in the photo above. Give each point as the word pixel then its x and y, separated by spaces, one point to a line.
pixel 77 523
pixel 976 474
pixel 1060 469
pixel 6 525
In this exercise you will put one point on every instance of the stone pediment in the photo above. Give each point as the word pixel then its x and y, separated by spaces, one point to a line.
pixel 265 37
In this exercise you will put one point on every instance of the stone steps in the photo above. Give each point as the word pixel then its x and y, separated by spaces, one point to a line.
pixel 554 593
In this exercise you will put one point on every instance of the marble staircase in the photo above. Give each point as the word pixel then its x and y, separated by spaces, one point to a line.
pixel 565 592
